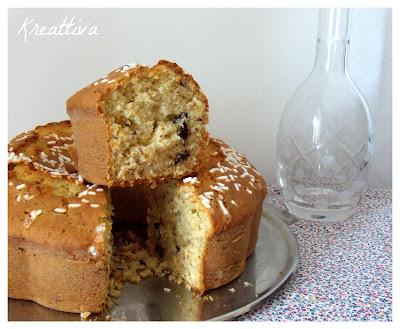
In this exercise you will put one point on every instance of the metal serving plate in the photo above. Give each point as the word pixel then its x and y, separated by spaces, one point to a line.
pixel 273 262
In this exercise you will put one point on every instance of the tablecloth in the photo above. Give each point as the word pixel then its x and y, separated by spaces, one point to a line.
pixel 345 269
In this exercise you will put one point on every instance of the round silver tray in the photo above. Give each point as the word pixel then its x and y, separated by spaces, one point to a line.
pixel 271 265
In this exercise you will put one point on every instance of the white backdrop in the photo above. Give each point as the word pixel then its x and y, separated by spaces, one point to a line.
pixel 247 61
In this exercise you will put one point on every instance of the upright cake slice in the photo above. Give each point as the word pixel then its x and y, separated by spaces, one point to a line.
pixel 59 229
pixel 139 124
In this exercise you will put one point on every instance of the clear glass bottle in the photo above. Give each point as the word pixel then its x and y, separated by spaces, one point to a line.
pixel 324 144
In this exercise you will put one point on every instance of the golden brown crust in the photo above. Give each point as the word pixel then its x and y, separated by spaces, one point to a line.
pixel 92 130
pixel 232 192
pixel 225 256
pixel 55 224
pixel 229 186
pixel 95 159
pixel 226 252
pixel 71 230
pixel 52 279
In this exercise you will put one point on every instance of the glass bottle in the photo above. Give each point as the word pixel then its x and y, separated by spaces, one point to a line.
pixel 324 144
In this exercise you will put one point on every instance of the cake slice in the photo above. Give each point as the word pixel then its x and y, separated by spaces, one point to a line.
pixel 59 228
pixel 139 124
pixel 203 227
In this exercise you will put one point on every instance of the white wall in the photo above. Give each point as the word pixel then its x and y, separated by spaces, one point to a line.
pixel 248 62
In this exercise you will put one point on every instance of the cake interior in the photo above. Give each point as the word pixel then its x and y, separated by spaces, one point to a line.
pixel 157 125
pixel 173 244
pixel 178 231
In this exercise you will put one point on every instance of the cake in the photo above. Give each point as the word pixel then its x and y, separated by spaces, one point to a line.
pixel 59 228
pixel 139 124
pixel 198 230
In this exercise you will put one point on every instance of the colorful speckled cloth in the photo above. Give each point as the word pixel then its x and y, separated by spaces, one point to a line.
pixel 345 270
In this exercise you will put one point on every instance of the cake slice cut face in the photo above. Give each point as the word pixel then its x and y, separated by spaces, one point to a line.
pixel 139 124
pixel 59 229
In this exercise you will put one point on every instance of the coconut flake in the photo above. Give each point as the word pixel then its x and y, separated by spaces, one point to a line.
pixel 60 210
pixel 20 186
pixel 223 208
pixel 92 250
pixel 74 205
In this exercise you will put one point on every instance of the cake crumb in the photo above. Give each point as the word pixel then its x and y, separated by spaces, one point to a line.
pixel 85 315
pixel 167 290
pixel 247 284
pixel 232 290
pixel 208 297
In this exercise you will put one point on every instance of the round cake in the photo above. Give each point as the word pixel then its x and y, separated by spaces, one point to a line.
pixel 199 229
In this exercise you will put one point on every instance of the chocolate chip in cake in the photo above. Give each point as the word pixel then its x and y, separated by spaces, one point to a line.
pixel 181 120
pixel 183 131
pixel 159 251
pixel 181 157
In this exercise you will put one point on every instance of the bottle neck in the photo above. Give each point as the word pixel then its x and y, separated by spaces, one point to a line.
pixel 331 56
pixel 332 41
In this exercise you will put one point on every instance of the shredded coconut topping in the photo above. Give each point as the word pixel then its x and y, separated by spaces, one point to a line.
pixel 28 197
pixel 83 193
pixel 60 210
pixel 92 250
pixel 191 180
pixel 223 208
pixel 206 202
pixel 101 228
pixel 33 215
pixel 20 186
pixel 233 171
pixel 24 137
pixel 74 205
pixel 54 166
